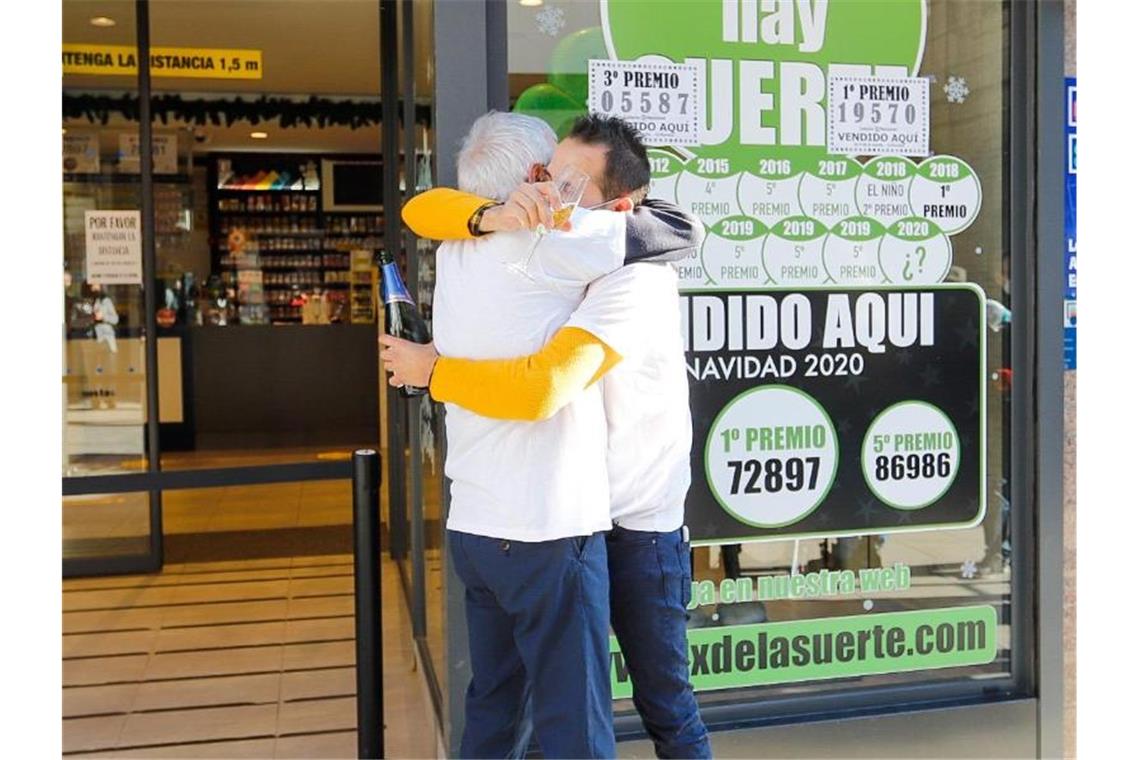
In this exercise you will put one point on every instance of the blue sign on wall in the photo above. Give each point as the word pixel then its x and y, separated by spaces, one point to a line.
pixel 1071 223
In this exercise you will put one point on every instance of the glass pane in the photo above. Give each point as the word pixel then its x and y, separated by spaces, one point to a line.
pixel 267 231
pixel 104 370
pixel 959 48
pixel 106 525
pixel 246 522
pixel 425 413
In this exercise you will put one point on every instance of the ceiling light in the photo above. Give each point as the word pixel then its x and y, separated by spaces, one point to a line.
pixel 259 135
pixel 530 3
pixel 102 21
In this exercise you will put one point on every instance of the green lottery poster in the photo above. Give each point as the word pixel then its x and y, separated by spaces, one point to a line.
pixel 837 377
pixel 837 364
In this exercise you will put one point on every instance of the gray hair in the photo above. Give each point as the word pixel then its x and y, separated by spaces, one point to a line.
pixel 499 150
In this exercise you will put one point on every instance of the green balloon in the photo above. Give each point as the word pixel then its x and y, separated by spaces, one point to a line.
pixel 550 104
pixel 570 61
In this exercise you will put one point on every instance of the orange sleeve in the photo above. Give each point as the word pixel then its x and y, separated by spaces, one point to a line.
pixel 527 388
pixel 441 213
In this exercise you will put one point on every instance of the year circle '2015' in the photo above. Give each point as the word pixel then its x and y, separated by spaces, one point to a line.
pixel 911 454
pixel 771 456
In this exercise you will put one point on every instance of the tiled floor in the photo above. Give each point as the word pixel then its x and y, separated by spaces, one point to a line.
pixel 231 659
pixel 254 658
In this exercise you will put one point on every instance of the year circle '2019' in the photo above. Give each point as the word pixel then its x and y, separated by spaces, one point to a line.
pixel 771 456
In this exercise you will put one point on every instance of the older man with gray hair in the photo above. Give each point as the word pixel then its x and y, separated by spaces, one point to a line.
pixel 530 501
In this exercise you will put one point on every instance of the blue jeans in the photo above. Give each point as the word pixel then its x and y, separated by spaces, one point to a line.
pixel 537 612
pixel 650 585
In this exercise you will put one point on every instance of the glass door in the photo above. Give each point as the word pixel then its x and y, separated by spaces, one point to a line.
pixel 106 334
pixel 259 292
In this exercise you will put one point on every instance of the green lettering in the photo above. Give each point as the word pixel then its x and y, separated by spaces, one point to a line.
pixel 745 655
pixel 844 646
pixel 803 651
pixel 797 585
pixel 887 579
pixel 904 575
pixel 869 580
pixel 779 657
pixel 692 605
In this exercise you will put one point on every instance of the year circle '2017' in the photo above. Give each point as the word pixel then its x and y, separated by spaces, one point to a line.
pixel 911 454
pixel 771 456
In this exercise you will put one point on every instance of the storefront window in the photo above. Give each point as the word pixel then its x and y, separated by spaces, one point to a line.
pixel 267 219
pixel 424 412
pixel 859 477
pixel 104 370
pixel 106 525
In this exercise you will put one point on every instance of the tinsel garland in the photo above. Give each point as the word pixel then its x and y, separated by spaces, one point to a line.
pixel 314 111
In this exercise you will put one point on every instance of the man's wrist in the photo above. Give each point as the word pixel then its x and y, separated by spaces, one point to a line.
pixel 474 224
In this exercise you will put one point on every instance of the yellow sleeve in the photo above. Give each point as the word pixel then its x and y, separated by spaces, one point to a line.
pixel 441 213
pixel 529 387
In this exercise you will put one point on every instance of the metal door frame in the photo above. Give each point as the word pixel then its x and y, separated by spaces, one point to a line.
pixel 154 481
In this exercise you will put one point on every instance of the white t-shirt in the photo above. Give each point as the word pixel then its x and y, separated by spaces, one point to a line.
pixel 524 481
pixel 635 310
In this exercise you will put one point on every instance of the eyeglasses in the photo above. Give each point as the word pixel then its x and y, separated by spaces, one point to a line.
pixel 544 175
pixel 603 204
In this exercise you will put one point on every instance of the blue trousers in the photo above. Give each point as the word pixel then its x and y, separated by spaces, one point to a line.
pixel 539 612
pixel 650 585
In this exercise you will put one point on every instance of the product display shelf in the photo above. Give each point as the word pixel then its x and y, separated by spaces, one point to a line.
pixel 303 249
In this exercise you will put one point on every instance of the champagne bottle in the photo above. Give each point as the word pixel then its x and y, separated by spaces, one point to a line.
pixel 400 311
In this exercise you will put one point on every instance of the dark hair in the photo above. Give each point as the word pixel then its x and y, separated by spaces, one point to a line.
pixel 627 165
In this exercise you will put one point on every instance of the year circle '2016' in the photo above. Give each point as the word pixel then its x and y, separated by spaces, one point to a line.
pixel 771 456
pixel 911 454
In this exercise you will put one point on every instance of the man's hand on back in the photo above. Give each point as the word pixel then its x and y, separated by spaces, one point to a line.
pixel 529 206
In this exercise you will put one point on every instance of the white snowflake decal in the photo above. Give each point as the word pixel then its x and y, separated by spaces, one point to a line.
pixel 956 89
pixel 969 569
pixel 550 20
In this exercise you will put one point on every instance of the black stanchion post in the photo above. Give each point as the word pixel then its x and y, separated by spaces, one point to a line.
pixel 369 634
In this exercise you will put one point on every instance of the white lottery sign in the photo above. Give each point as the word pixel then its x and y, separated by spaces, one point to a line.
pixel 664 101
pixel 878 116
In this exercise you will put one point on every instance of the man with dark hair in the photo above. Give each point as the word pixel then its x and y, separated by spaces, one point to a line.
pixel 627 333
pixel 626 169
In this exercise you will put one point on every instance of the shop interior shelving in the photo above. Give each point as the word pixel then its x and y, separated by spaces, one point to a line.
pixel 276 200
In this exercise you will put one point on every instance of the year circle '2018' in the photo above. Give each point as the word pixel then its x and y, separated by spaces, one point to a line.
pixel 771 456
pixel 911 454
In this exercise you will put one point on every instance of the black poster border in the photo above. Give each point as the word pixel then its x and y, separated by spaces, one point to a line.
pixel 865 531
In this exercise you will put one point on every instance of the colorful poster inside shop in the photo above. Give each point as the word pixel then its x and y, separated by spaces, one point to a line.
pixel 1070 223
